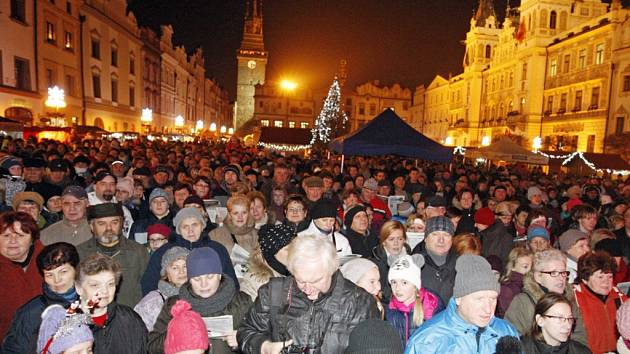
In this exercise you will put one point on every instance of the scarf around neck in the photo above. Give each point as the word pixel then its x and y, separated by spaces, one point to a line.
pixel 216 303
pixel 167 289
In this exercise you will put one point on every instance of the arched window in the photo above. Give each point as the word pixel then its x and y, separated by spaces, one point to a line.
pixel 553 18
pixel 488 52
pixel 98 122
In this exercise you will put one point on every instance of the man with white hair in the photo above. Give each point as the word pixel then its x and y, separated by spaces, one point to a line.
pixel 313 310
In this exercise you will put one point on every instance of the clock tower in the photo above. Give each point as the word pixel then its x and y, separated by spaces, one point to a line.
pixel 252 60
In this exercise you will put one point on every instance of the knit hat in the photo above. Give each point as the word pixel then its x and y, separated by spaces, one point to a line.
pixel 186 330
pixel 34 162
pixel 405 209
pixel 232 168
pixel 8 161
pixel 439 223
pixel 75 191
pixel 570 238
pixel 350 214
pixel 371 184
pixel 203 260
pixel 141 171
pixel 32 197
pixel 157 193
pixel 173 254
pixel 194 199
pixel 484 216
pixel 374 336
pixel 59 331
pixel 126 184
pixel 273 238
pixel 537 231
pixel 161 229
pixel 186 213
pixel 572 203
pixel 623 320
pixel 473 273
pixel 532 191
pixel 407 267
pixel 612 246
pixel 104 210
pixel 313 182
pixel 323 208
pixel 355 269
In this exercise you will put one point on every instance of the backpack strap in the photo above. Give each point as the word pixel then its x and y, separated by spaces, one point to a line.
pixel 277 301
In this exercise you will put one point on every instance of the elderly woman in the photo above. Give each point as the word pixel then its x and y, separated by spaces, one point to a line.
pixel 258 209
pixel 392 244
pixel 598 300
pixel 548 275
pixel 210 293
pixel 269 260
pixel 552 326
pixel 57 263
pixel 173 276
pixel 19 247
pixel 237 233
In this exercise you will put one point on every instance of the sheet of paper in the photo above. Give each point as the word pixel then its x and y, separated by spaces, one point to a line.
pixel 141 238
pixel 219 326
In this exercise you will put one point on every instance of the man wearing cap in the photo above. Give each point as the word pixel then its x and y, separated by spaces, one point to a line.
pixel 435 206
pixel 105 192
pixel 313 190
pixel 368 196
pixel 159 213
pixel 189 224
pixel 118 169
pixel 323 219
pixel 58 173
pixel 231 175
pixel 574 243
pixel 106 222
pixel 34 178
pixel 32 204
pixel 74 227
pixel 468 324
pixel 161 176
pixel 438 274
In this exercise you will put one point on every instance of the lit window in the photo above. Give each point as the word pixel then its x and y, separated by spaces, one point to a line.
pixel 51 36
pixel 291 124
pixel 68 40
pixel 599 54
pixel 277 123
pixel 553 68
pixel 304 125
pixel 264 123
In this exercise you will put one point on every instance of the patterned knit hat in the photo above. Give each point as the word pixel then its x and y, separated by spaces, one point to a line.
pixel 186 330
pixel 439 223
pixel 60 330
pixel 407 268
pixel 173 254
pixel 273 238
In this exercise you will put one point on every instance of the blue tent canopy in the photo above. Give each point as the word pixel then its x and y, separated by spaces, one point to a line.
pixel 388 134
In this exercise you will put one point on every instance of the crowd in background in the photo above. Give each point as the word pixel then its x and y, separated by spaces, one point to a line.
pixel 216 247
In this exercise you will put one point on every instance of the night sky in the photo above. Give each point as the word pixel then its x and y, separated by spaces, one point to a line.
pixel 405 41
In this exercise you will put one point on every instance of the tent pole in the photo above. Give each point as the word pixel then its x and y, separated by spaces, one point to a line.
pixel 328 155
pixel 416 163
pixel 342 161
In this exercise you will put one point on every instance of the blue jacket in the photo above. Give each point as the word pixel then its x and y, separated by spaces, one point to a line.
pixel 151 276
pixel 447 332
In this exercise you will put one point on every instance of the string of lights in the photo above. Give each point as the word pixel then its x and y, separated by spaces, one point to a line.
pixel 284 147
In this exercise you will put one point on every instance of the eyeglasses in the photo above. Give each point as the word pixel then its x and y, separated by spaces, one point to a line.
pixel 555 273
pixel 561 319
pixel 296 210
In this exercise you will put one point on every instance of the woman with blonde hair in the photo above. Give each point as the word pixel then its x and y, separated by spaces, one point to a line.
pixel 392 244
pixel 519 263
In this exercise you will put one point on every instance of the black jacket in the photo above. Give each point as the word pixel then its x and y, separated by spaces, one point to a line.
pixel 123 333
pixel 324 324
pixel 379 256
pixel 532 346
pixel 439 279
pixel 140 226
pixel 361 244
pixel 226 301
pixel 22 335
pixel 496 240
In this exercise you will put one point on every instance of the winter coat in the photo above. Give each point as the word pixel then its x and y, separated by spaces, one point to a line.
pixel 226 301
pixel 151 275
pixel 63 231
pixel 361 244
pixel 340 241
pixel 439 279
pixel 509 289
pixel 403 321
pixel 323 324
pixel 230 234
pixel 532 346
pixel 467 222
pixel 133 259
pixel 496 240
pixel 19 286
pixel 123 332
pixel 379 257
pixel 140 227
pixel 447 332
pixel 521 311
pixel 599 317
pixel 22 335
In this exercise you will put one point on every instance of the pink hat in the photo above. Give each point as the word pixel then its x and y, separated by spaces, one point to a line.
pixel 573 202
pixel 484 216
pixel 186 330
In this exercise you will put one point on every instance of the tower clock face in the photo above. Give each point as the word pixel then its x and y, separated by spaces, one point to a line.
pixel 251 64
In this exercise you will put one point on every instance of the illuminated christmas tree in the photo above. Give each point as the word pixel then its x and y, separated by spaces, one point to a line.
pixel 332 120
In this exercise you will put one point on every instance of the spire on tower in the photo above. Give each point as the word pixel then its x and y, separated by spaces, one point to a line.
pixel 485 10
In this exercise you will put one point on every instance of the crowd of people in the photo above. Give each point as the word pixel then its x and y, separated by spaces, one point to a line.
pixel 111 246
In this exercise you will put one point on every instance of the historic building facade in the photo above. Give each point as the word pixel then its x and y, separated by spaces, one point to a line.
pixel 252 62
pixel 371 98
pixel 547 70
pixel 283 108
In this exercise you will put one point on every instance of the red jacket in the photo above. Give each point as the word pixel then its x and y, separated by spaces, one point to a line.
pixel 18 287
pixel 599 318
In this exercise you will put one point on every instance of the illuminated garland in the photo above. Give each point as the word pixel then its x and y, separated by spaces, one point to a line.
pixel 330 112
pixel 459 150
pixel 284 147
pixel 587 162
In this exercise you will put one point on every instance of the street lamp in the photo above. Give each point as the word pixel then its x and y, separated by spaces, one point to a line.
pixel 288 85
pixel 448 141
pixel 56 100
pixel 213 127
pixel 231 131
pixel 537 144
pixel 223 129
pixel 146 119
pixel 179 123
pixel 485 141
pixel 199 125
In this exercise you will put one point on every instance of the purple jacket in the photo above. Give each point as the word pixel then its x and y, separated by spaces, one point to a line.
pixel 509 289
